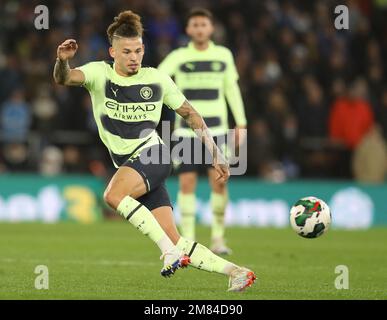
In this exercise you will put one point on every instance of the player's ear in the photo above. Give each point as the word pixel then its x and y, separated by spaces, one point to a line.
pixel 112 52
pixel 188 30
pixel 212 28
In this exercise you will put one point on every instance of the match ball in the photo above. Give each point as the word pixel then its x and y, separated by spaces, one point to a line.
pixel 310 217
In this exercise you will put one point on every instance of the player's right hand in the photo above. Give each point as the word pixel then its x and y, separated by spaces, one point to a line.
pixel 67 49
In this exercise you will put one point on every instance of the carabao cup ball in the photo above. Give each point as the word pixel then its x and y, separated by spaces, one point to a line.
pixel 310 217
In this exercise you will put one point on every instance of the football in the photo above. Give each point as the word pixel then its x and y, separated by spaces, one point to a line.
pixel 310 217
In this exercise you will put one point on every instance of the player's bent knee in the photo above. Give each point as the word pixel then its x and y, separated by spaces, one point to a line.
pixel 112 198
pixel 188 184
pixel 187 188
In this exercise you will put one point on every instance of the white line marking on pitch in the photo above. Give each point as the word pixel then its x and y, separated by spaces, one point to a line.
pixel 98 262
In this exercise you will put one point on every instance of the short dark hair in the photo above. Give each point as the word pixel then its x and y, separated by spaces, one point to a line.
pixel 200 12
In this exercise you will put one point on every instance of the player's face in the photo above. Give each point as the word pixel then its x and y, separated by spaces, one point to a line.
pixel 200 29
pixel 127 54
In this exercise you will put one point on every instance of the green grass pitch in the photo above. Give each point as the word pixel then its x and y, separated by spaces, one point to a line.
pixel 111 260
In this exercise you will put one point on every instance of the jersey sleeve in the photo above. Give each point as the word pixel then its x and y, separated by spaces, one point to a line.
pixel 235 101
pixel 169 64
pixel 173 97
pixel 231 75
pixel 232 91
pixel 92 72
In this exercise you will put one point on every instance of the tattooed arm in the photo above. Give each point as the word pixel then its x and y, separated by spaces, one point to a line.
pixel 196 123
pixel 62 72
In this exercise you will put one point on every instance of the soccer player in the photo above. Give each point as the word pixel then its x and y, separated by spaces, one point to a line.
pixel 127 100
pixel 206 74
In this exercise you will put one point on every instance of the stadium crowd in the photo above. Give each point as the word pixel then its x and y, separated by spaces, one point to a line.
pixel 315 97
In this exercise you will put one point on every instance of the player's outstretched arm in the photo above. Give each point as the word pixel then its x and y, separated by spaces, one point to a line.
pixel 196 123
pixel 63 74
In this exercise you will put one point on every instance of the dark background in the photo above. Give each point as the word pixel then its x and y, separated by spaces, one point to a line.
pixel 315 97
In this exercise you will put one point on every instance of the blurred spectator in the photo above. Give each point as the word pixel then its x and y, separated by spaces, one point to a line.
pixel 382 113
pixel 10 76
pixel 51 162
pixel 312 114
pixel 272 68
pixel 351 116
pixel 338 89
pixel 275 137
pixel 16 157
pixel 312 111
pixel 293 64
pixel 163 29
pixel 15 118
pixel 45 110
pixel 370 158
pixel 73 162
pixel 281 123
pixel 350 120
pixel 261 141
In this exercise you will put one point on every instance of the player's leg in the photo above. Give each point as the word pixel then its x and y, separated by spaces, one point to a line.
pixel 164 216
pixel 218 201
pixel 186 201
pixel 186 169
pixel 125 187
pixel 200 256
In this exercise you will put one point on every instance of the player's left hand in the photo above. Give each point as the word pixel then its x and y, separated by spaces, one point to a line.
pixel 240 136
pixel 223 171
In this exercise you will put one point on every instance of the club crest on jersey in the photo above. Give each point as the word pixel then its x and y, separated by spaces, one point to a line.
pixel 216 66
pixel 146 93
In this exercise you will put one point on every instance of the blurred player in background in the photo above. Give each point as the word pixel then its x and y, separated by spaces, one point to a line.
pixel 127 99
pixel 206 74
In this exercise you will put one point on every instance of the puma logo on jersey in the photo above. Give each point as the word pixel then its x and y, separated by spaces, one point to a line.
pixel 114 92
pixel 190 66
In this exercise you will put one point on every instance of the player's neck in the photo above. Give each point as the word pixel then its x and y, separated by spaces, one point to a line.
pixel 201 46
